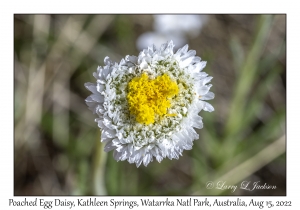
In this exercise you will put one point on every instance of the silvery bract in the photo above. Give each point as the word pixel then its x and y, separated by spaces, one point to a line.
pixel 148 106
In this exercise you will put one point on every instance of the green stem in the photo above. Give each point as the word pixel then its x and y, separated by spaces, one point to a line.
pixel 99 161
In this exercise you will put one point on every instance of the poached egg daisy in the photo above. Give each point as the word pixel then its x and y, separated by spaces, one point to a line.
pixel 147 106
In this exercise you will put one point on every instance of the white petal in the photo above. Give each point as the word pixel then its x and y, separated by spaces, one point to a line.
pixel 144 65
pixel 117 155
pixel 108 61
pixel 122 62
pixel 98 97
pixel 132 59
pixel 202 90
pixel 138 162
pixel 205 80
pixel 208 107
pixel 200 66
pixel 197 121
pixel 192 132
pixel 108 133
pixel 109 147
pixel 186 62
pixel 159 158
pixel 147 159
pixel 183 50
pixel 89 99
pixel 92 105
pixel 208 96
pixel 190 53
pixel 91 87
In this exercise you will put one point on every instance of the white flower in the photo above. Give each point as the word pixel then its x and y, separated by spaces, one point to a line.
pixel 157 38
pixel 172 27
pixel 148 106
pixel 180 24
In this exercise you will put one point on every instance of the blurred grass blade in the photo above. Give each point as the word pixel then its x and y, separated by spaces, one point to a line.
pixel 100 156
pixel 237 52
pixel 247 75
pixel 255 105
pixel 250 165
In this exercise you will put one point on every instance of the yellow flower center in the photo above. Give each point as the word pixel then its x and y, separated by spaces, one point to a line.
pixel 148 98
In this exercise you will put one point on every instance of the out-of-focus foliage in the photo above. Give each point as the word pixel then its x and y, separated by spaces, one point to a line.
pixel 57 144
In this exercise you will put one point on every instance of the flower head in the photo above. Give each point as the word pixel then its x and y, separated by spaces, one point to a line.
pixel 148 106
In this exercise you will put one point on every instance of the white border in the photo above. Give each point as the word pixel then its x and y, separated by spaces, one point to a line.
pixel 8 8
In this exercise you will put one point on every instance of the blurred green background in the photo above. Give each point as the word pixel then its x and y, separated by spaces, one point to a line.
pixel 57 149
